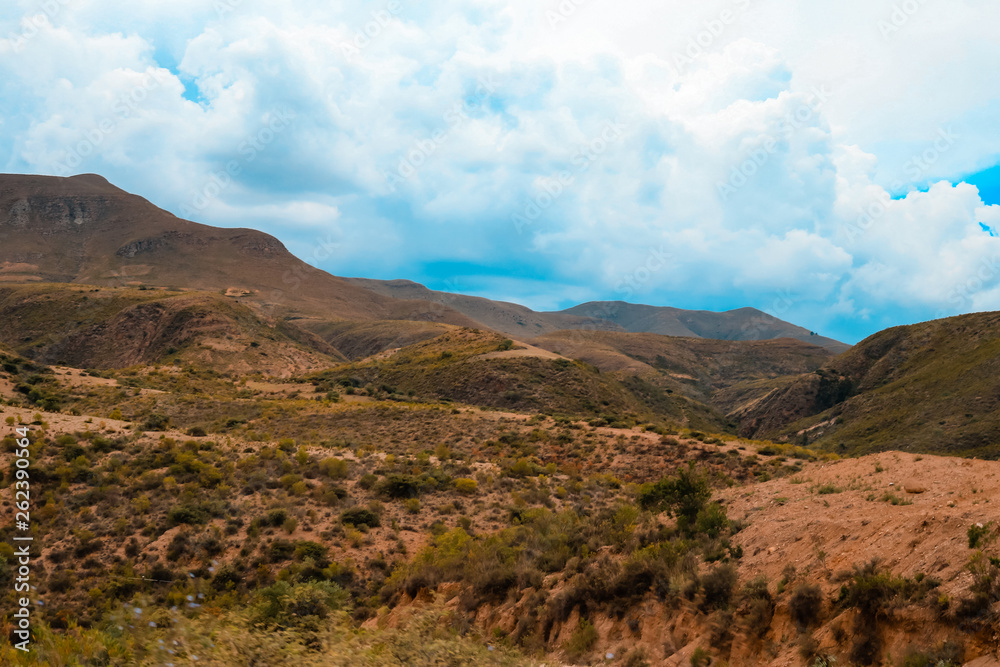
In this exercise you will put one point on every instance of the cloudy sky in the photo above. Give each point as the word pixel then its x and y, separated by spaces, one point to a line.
pixel 834 164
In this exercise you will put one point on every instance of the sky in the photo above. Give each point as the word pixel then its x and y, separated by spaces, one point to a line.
pixel 833 164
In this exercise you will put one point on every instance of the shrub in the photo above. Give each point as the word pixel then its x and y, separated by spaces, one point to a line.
pixel 872 592
pixel 717 587
pixel 358 516
pixel 227 578
pixel 466 485
pixel 581 641
pixel 400 486
pixel 334 468
pixel 307 549
pixel 186 514
pixel 636 658
pixel 806 605
pixel 946 655
pixel 275 517
pixel 977 532
pixel 759 607
pixel 303 605
pixel 155 422
pixel 712 521
pixel 700 658
pixel 280 550
pixel 683 496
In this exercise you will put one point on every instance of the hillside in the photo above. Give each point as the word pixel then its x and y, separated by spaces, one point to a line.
pixel 482 368
pixel 243 521
pixel 519 321
pixel 739 324
pixel 111 327
pixel 707 370
pixel 84 230
pixel 930 387
pixel 97 234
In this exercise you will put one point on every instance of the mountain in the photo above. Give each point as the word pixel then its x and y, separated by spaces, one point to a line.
pixel 84 230
pixel 739 324
pixel 929 387
pixel 519 321
pixel 94 327
pixel 706 370
pixel 509 318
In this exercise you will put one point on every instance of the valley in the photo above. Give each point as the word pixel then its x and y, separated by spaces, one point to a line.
pixel 231 467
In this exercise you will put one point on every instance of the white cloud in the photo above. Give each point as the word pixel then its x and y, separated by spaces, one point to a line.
pixel 763 159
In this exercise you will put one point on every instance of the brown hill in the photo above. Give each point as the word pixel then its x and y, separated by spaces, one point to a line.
pixel 932 387
pixel 520 321
pixel 739 324
pixel 84 230
pixel 101 328
pixel 714 372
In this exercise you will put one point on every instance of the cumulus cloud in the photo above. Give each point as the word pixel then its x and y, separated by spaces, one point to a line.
pixel 739 152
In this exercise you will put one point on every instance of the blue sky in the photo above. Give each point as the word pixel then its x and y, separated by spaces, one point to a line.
pixel 822 163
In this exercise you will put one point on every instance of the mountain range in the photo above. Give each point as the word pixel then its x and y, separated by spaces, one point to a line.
pixel 97 234
pixel 93 276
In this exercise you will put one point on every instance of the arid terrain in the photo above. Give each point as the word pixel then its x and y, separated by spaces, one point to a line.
pixel 362 473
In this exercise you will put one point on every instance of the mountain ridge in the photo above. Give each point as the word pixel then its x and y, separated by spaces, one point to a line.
pixel 98 234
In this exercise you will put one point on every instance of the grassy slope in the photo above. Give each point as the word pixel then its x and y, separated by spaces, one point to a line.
pixel 117 327
pixel 931 387
pixel 453 366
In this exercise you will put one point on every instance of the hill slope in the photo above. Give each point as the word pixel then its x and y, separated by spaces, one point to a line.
pixel 101 328
pixel 520 321
pixel 84 230
pixel 739 324
pixel 932 387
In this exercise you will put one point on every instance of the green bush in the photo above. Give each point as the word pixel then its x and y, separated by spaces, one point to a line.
pixel 308 549
pixel 155 422
pixel 582 641
pixel 359 516
pixel 806 605
pixel 759 607
pixel 978 533
pixel 334 468
pixel 400 486
pixel 186 514
pixel 466 485
pixel 717 587
pixel 683 496
pixel 872 592
pixel 301 605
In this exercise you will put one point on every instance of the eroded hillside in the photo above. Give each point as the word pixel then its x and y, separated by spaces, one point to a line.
pixel 251 519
